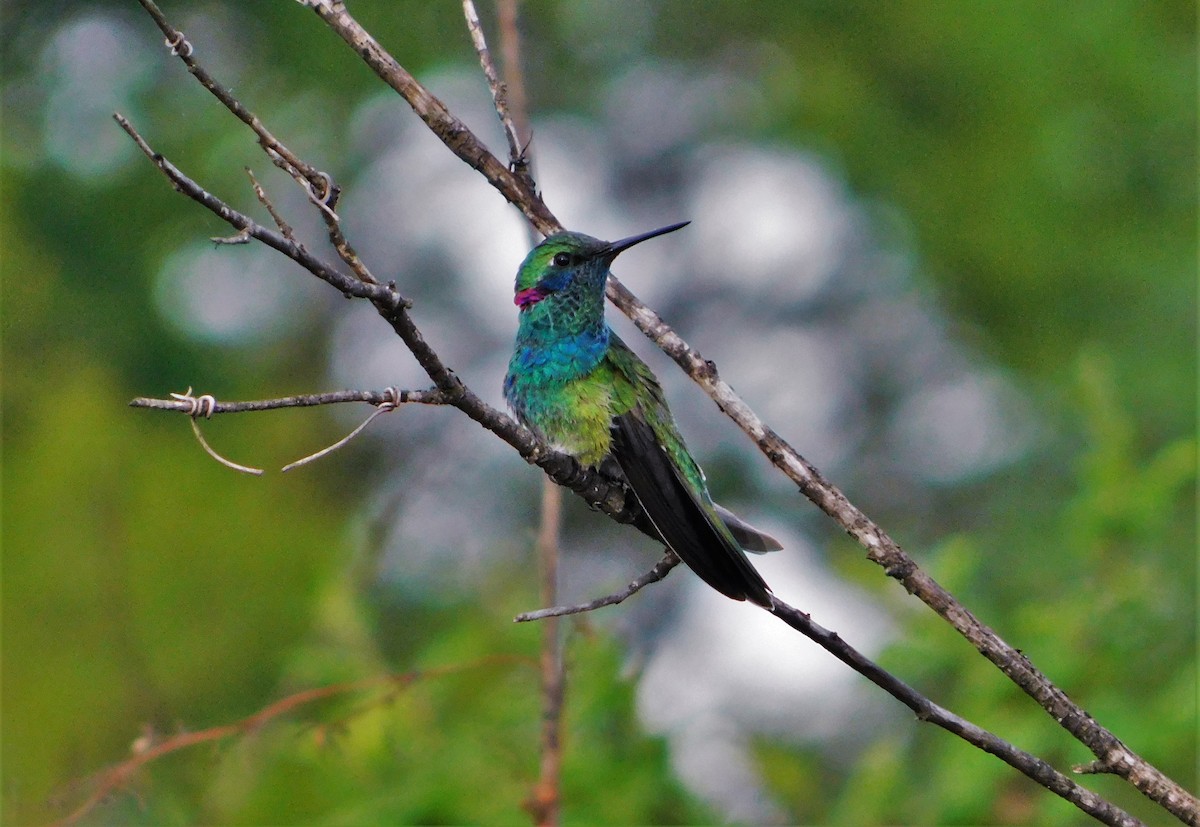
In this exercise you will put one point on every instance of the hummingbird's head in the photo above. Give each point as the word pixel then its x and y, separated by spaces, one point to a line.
pixel 571 262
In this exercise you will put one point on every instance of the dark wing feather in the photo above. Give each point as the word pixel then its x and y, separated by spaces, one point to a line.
pixel 611 470
pixel 683 523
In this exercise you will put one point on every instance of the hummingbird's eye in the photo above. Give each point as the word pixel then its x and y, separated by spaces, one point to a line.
pixel 562 259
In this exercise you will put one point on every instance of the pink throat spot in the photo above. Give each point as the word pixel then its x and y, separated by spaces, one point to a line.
pixel 527 297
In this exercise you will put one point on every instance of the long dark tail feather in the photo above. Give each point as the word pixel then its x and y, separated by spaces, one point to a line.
pixel 681 521
pixel 748 537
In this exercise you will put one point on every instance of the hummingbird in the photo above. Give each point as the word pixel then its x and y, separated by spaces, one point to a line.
pixel 573 382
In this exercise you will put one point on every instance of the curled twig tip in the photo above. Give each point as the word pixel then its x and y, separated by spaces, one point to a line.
pixel 203 406
pixel 179 45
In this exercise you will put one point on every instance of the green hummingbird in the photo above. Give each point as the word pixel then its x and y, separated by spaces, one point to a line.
pixel 581 389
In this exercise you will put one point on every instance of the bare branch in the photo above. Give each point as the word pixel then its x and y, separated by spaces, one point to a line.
pixel 293 250
pixel 261 194
pixel 881 548
pixel 385 401
pixel 392 396
pixel 320 186
pixel 660 570
pixel 499 90
pixel 927 710
pixel 886 552
pixel 283 157
pixel 457 137
pixel 591 485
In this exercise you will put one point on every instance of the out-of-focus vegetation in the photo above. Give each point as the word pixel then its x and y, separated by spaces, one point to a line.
pixel 1041 155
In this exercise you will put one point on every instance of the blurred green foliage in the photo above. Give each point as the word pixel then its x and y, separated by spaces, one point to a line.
pixel 1100 612
pixel 1044 152
pixel 1045 155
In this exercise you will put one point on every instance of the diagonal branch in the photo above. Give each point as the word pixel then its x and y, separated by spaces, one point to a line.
pixel 567 471
pixel 926 710
pixel 282 157
pixel 881 548
pixel 598 490
pixel 593 487
pixel 498 88
pixel 461 140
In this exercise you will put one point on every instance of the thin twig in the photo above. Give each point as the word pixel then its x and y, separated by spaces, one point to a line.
pixel 386 396
pixel 345 251
pixel 660 570
pixel 386 407
pixel 261 194
pixel 498 88
pixel 283 157
pixel 543 803
pixel 544 799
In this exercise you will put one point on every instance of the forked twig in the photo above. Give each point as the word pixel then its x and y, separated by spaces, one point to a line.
pixel 283 157
pixel 207 406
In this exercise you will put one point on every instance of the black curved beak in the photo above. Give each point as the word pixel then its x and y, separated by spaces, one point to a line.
pixel 610 252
